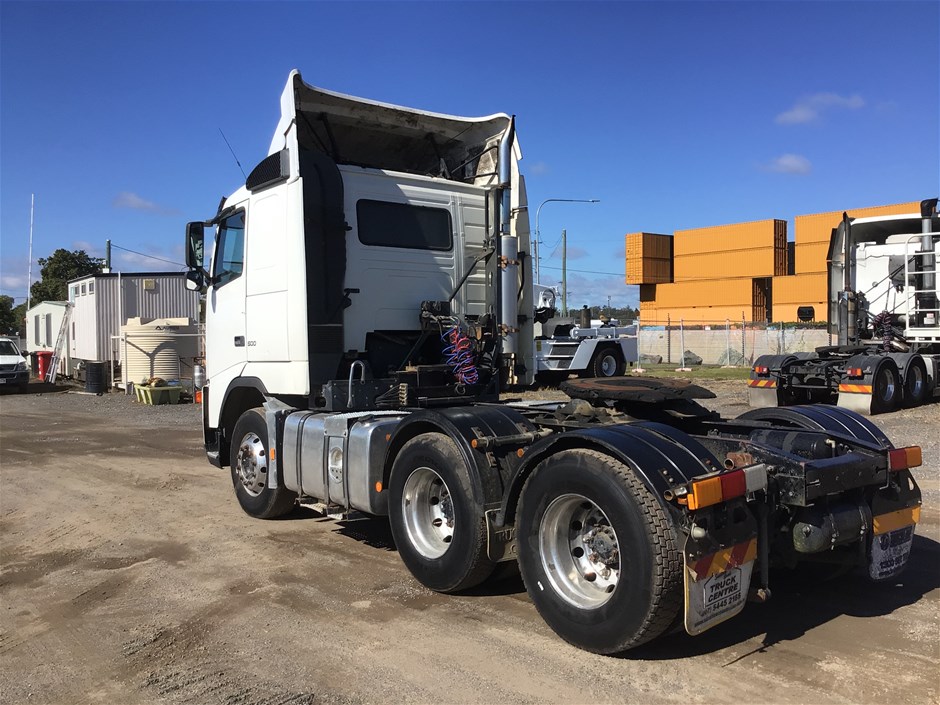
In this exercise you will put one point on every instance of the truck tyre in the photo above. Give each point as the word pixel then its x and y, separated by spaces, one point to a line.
pixel 598 554
pixel 249 465
pixel 916 383
pixel 607 362
pixel 438 526
pixel 885 388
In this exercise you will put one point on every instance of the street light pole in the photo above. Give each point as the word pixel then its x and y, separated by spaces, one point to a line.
pixel 538 234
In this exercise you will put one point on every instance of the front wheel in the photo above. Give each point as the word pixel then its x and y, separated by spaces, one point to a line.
pixel 249 461
pixel 438 525
pixel 598 554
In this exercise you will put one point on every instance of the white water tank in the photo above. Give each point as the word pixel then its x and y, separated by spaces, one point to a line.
pixel 157 347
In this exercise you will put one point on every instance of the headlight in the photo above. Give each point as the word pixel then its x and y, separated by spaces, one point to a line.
pixel 21 367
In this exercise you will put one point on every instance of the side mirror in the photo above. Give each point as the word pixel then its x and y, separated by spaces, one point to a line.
pixel 195 245
pixel 195 281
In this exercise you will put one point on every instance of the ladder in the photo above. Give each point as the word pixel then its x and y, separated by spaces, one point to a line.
pixel 59 344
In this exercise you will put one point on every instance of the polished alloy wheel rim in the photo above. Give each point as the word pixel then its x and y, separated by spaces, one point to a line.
pixel 428 510
pixel 579 550
pixel 251 464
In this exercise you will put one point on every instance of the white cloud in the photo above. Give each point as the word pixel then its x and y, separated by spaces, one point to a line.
pixel 575 252
pixel 585 290
pixel 127 199
pixel 790 164
pixel 809 108
pixel 539 169
pixel 91 249
pixel 14 282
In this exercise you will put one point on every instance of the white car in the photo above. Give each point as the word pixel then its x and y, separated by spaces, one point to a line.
pixel 13 370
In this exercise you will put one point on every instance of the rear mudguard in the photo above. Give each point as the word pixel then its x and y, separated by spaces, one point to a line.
pixel 663 457
pixel 822 417
pixel 491 469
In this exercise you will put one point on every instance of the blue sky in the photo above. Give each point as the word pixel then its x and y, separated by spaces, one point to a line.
pixel 674 115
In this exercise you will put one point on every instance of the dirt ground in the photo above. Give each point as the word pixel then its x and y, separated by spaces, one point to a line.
pixel 130 575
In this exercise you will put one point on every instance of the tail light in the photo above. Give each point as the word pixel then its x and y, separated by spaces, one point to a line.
pixel 855 373
pixel 903 458
pixel 726 486
pixel 762 371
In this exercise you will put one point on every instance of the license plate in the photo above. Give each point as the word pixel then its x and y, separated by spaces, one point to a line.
pixel 716 585
pixel 2 380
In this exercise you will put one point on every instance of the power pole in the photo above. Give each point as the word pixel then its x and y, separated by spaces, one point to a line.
pixel 564 272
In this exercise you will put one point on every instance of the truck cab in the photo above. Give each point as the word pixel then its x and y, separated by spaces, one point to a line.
pixel 366 231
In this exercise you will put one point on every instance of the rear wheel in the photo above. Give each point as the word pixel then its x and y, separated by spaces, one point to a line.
pixel 916 384
pixel 607 362
pixel 885 388
pixel 249 462
pixel 598 554
pixel 438 525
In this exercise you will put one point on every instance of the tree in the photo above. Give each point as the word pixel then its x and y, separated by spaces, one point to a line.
pixel 56 271
pixel 19 318
pixel 8 322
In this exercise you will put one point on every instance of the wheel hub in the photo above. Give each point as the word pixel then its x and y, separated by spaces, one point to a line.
pixel 428 511
pixel 251 464
pixel 580 551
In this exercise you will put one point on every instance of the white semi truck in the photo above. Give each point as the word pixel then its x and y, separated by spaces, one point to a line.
pixel 368 297
pixel 884 309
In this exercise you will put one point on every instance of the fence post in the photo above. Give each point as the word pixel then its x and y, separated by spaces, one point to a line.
pixel 639 352
pixel 668 339
pixel 682 367
pixel 743 336
pixel 728 362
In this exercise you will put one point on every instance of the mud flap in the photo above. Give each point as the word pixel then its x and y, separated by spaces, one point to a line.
pixel 761 397
pixel 859 402
pixel 718 568
pixel 892 538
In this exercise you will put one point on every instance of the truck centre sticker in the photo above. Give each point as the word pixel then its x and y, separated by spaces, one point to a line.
pixel 716 586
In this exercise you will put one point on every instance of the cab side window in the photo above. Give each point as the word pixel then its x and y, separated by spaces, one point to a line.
pixel 230 253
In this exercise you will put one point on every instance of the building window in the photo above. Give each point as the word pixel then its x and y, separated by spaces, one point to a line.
pixel 36 329
pixel 49 340
pixel 91 287
pixel 230 252
pixel 73 292
pixel 385 224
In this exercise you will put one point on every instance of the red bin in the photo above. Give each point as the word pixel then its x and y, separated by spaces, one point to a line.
pixel 44 357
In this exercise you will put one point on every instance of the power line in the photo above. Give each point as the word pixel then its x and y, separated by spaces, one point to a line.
pixel 160 259
pixel 585 271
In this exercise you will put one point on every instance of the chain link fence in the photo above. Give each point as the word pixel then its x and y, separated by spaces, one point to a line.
pixel 727 342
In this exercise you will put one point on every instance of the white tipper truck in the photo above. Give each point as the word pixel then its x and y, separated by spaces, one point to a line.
pixel 367 298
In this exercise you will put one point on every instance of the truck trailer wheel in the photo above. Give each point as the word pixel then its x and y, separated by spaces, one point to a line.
pixel 439 528
pixel 607 362
pixel 916 383
pixel 885 388
pixel 249 462
pixel 598 554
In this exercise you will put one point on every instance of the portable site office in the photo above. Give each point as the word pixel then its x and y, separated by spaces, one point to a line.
pixel 102 303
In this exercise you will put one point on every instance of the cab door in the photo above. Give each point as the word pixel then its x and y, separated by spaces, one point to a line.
pixel 225 300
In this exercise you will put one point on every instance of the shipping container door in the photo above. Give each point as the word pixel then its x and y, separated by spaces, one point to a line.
pixel 762 299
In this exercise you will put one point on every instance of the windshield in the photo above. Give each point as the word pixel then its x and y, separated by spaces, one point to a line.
pixel 8 348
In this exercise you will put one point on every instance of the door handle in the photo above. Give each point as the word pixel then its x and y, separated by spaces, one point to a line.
pixel 239 341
